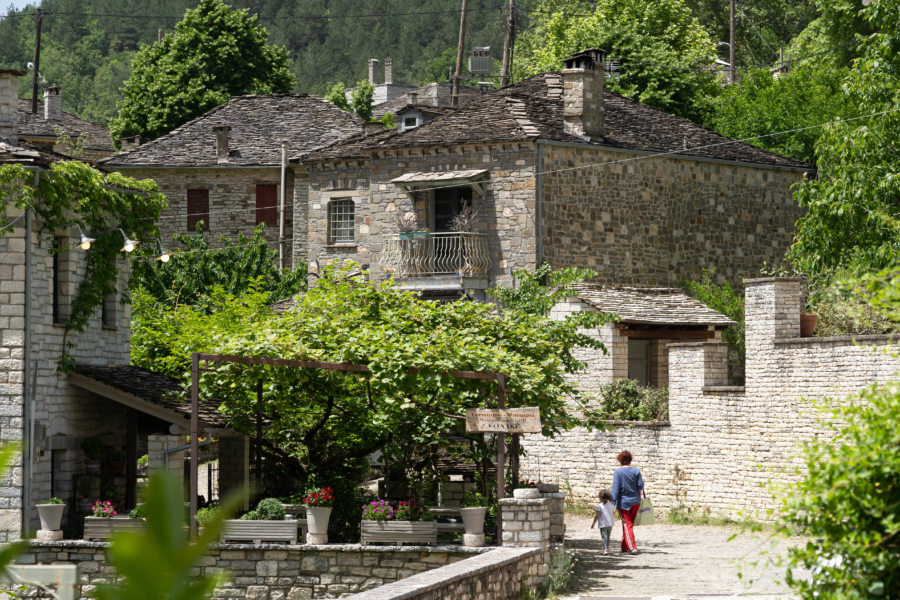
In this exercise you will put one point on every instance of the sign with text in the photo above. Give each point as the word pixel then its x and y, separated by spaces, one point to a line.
pixel 508 420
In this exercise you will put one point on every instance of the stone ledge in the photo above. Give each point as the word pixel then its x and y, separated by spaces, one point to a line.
pixel 838 340
pixel 759 280
pixel 445 549
pixel 619 423
pixel 737 389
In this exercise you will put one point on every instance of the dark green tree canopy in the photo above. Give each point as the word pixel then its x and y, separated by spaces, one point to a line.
pixel 215 52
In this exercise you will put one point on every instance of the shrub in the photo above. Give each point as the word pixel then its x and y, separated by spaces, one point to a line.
pixel 409 510
pixel 849 311
pixel 722 298
pixel 378 510
pixel 250 515
pixel 138 512
pixel 627 400
pixel 270 509
pixel 53 500
pixel 205 515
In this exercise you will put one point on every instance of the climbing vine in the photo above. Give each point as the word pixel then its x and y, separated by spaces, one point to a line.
pixel 70 193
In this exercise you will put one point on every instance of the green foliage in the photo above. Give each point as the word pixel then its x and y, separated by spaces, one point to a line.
pixel 846 502
pixel 360 102
pixel 627 400
pixel 852 309
pixel 661 45
pixel 759 104
pixel 215 52
pixel 237 266
pixel 138 512
pixel 337 95
pixel 161 563
pixel 53 500
pixel 473 499
pixel 270 509
pixel 207 515
pixel 851 219
pixel 561 572
pixel 723 298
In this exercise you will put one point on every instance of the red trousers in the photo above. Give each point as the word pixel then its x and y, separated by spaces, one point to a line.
pixel 628 543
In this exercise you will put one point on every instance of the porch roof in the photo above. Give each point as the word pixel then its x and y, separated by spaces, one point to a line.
pixel 652 306
pixel 430 177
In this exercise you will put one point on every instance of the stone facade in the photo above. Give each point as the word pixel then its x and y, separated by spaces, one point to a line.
pixel 725 444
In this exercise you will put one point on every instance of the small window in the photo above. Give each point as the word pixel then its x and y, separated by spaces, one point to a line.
pixel 267 204
pixel 639 361
pixel 410 122
pixel 58 283
pixel 341 224
pixel 197 209
pixel 108 311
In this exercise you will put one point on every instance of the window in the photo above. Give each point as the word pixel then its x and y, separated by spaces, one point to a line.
pixel 639 361
pixel 410 122
pixel 341 225
pixel 197 209
pixel 447 204
pixel 267 204
pixel 108 311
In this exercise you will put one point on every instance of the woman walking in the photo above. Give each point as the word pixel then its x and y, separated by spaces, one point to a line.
pixel 626 493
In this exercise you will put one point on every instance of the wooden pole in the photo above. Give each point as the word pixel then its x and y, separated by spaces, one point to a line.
pixel 501 457
pixel 731 44
pixel 195 432
pixel 259 398
pixel 506 65
pixel 38 18
pixel 454 98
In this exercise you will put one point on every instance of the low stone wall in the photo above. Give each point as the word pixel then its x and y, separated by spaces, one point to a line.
pixel 278 572
pixel 495 575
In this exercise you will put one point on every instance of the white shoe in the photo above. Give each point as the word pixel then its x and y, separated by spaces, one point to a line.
pixel 635 551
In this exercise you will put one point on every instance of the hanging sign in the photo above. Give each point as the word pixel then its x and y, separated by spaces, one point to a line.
pixel 500 420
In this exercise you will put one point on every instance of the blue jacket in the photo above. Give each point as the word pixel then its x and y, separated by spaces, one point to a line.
pixel 627 487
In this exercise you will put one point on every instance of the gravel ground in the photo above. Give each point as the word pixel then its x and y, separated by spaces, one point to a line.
pixel 676 561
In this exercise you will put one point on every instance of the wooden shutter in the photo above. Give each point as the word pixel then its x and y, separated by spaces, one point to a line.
pixel 267 204
pixel 197 209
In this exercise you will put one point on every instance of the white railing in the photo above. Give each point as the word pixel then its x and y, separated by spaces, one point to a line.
pixel 464 254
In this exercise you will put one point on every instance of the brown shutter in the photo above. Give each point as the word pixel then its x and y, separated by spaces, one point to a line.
pixel 197 209
pixel 267 204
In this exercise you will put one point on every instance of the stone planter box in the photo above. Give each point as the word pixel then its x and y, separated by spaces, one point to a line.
pixel 526 493
pixel 102 528
pixel 257 532
pixel 398 533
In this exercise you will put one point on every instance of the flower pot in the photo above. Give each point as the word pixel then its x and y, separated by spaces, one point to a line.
pixel 808 324
pixel 51 516
pixel 317 519
pixel 406 235
pixel 92 467
pixel 526 493
pixel 397 533
pixel 420 234
pixel 103 528
pixel 473 518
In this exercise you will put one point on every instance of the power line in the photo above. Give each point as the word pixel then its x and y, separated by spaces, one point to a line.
pixel 285 17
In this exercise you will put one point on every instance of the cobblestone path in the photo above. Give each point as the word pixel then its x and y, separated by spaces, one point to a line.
pixel 676 562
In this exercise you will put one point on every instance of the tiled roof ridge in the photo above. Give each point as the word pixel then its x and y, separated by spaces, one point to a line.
pixel 628 288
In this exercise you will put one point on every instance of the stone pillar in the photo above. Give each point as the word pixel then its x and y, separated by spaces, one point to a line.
pixel 9 104
pixel 526 524
pixel 222 133
pixel 772 309
pixel 557 511
pixel 53 104
pixel 159 457
pixel 234 466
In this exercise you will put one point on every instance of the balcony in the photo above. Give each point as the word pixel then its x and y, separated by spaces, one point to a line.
pixel 438 256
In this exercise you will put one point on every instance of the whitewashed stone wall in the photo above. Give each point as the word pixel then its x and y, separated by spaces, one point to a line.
pixel 723 444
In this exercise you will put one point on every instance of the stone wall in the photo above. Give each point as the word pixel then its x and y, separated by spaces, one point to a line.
pixel 724 444
pixel 657 221
pixel 278 572
pixel 232 202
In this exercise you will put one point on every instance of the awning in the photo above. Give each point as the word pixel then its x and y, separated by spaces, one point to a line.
pixel 411 182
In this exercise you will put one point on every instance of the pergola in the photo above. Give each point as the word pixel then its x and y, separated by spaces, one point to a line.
pixel 207 359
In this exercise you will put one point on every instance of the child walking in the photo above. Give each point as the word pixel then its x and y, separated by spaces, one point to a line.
pixel 603 518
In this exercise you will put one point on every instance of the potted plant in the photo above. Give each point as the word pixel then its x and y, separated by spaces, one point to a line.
pixel 319 502
pixel 205 515
pixel 527 489
pixel 93 449
pixel 407 523
pixel 406 224
pixel 104 522
pixel 51 513
pixel 266 523
pixel 472 510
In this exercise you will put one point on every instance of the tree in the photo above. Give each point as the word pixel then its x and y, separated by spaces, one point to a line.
pixel 663 49
pixel 360 101
pixel 215 52
pixel 854 204
pixel 759 104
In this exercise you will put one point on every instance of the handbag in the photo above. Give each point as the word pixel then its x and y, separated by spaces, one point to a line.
pixel 645 513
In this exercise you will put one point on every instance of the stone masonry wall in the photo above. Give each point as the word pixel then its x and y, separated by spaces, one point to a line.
pixel 232 202
pixel 274 572
pixel 724 445
pixel 506 215
pixel 658 221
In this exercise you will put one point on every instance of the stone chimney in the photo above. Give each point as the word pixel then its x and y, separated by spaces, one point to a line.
pixel 222 134
pixel 583 93
pixel 371 127
pixel 9 105
pixel 412 98
pixel 388 71
pixel 130 143
pixel 53 104
pixel 373 62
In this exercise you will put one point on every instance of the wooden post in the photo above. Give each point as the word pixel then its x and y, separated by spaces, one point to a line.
pixel 195 432
pixel 454 98
pixel 506 65
pixel 501 457
pixel 131 458
pixel 731 44
pixel 38 17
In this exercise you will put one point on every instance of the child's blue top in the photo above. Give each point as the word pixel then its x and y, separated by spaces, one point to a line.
pixel 626 487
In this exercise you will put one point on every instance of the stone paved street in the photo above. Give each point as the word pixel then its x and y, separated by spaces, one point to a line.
pixel 676 561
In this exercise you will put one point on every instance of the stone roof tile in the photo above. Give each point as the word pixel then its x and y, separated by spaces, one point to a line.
pixel 35 125
pixel 651 306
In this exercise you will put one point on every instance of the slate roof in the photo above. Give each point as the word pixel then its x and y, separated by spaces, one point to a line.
pixel 26 155
pixel 651 306
pixel 35 125
pixel 258 124
pixel 533 109
pixel 152 387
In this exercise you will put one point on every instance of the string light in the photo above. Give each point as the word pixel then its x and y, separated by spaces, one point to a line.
pixel 129 244
pixel 85 243
pixel 164 256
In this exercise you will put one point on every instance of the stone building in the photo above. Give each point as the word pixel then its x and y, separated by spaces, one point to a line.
pixel 42 129
pixel 224 168
pixel 556 169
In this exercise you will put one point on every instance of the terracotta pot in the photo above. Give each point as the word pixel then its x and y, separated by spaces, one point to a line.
pixel 473 519
pixel 807 324
pixel 317 519
pixel 51 516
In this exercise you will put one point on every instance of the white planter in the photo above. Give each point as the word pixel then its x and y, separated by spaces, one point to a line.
pixel 51 516
pixel 317 519
pixel 526 493
pixel 473 518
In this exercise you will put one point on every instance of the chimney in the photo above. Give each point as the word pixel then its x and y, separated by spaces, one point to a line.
pixel 388 71
pixel 129 143
pixel 372 63
pixel 371 127
pixel 9 105
pixel 412 98
pixel 583 93
pixel 222 132
pixel 53 104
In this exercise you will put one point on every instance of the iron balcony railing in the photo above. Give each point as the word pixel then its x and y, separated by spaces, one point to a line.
pixel 464 254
